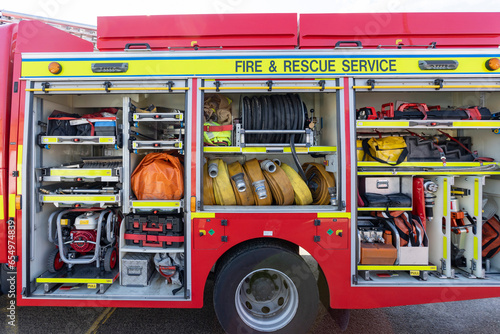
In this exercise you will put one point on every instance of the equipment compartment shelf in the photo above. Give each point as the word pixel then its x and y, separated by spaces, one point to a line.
pixel 156 145
pixel 66 174
pixel 266 150
pixel 84 199
pixel 427 124
pixel 77 140
pixel 138 249
pixel 372 267
pixel 384 209
pixel 158 117
pixel 433 164
pixel 155 205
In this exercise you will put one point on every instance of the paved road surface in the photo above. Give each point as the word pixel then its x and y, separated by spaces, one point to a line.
pixel 477 316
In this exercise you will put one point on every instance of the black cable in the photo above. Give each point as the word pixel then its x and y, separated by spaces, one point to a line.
pixel 296 159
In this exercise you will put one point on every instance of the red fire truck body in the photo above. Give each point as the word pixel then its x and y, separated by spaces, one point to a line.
pixel 336 64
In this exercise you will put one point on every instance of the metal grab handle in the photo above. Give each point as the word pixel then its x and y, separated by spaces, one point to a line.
pixel 339 43
pixel 129 45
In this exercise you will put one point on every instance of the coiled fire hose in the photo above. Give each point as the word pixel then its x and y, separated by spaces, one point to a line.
pixel 241 184
pixel 320 183
pixel 302 194
pixel 208 187
pixel 223 190
pixel 280 185
pixel 260 188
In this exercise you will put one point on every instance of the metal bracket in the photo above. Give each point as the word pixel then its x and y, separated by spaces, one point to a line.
pixel 223 238
pixel 107 85
pixel 15 173
pixel 45 85
pixel 322 84
pixel 438 82
pixel 317 238
pixel 269 84
pixel 217 84
pixel 317 222
pixel 170 84
pixel 223 222
pixel 365 274
pixel 371 83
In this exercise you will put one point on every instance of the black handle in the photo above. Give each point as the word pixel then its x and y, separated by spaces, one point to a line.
pixel 129 45
pixel 339 43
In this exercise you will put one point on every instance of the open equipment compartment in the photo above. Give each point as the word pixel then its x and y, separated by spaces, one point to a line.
pixel 77 192
pixel 266 118
pixel 460 180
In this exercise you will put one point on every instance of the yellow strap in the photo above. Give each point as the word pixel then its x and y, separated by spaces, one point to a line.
pixel 252 168
pixel 316 173
pixel 223 190
pixel 302 194
pixel 244 197
pixel 208 188
pixel 280 185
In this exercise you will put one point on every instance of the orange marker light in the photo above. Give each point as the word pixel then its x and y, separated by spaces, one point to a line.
pixel 493 64
pixel 55 68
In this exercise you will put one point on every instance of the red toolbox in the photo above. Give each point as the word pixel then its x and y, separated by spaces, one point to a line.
pixel 154 224
pixel 145 239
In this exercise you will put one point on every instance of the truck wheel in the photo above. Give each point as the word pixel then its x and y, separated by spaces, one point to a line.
pixel 54 263
pixel 110 259
pixel 266 289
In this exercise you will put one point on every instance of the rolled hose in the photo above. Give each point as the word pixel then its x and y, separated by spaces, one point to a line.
pixel 252 169
pixel 223 190
pixel 320 182
pixel 302 194
pixel 241 184
pixel 281 187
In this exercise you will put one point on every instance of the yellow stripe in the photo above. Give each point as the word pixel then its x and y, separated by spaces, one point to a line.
pixel 19 189
pixel 266 88
pixel 384 209
pixel 476 252
pixel 106 140
pixel 297 149
pixel 12 205
pixel 160 204
pixel 202 215
pixel 80 172
pixel 444 172
pixel 2 210
pixel 103 89
pixel 101 320
pixel 217 149
pixel 78 198
pixel 426 86
pixel 74 280
pixel 334 215
pixel 476 197
pixel 323 149
pixel 379 124
pixel 397 268
pixel 445 248
pixel 445 197
pixel 254 150
pixel 49 140
pixel 425 164
pixel 477 124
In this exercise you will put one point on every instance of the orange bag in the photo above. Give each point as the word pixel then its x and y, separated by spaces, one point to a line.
pixel 158 176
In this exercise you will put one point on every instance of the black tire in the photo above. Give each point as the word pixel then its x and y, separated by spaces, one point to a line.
pixel 298 285
pixel 110 259
pixel 54 262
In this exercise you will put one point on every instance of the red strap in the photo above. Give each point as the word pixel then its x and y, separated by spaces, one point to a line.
pixel 217 128
pixel 473 113
pixel 62 118
pixel 422 107
pixel 153 238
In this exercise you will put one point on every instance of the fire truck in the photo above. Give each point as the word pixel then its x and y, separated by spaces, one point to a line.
pixel 184 145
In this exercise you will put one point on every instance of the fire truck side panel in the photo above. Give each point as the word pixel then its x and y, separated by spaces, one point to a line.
pixel 5 89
